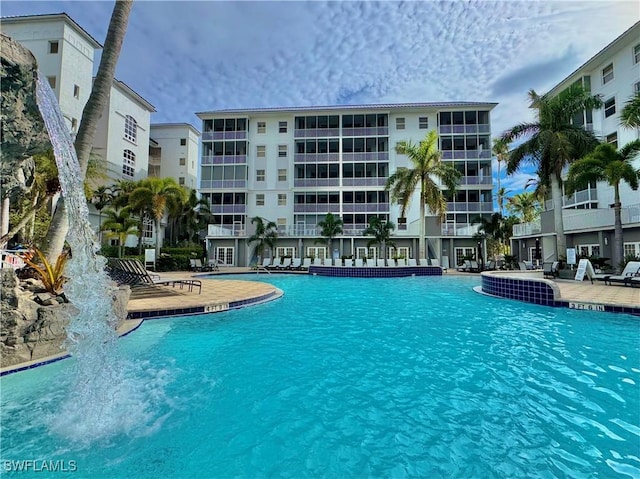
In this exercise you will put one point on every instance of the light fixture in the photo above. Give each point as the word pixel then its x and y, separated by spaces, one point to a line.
pixel 606 241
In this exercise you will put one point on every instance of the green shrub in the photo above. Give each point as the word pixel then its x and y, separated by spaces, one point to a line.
pixel 190 251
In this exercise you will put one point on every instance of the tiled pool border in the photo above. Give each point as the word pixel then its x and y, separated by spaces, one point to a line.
pixel 541 291
pixel 146 315
pixel 375 272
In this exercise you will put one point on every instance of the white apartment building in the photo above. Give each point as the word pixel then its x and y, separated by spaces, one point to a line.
pixel 174 152
pixel 65 54
pixel 292 166
pixel 614 74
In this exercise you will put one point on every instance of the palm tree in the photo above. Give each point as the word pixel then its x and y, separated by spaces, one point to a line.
pixel 525 205
pixel 614 167
pixel 501 151
pixel 91 114
pixel 630 115
pixel 427 163
pixel 501 196
pixel 330 227
pixel 381 232
pixel 101 198
pixel 266 234
pixel 189 217
pixel 493 230
pixel 552 143
pixel 156 195
pixel 119 224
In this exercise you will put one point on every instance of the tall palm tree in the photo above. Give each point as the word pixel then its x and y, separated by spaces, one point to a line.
pixel 491 229
pixel 630 115
pixel 102 197
pixel 501 150
pixel 381 232
pixel 427 164
pixel 156 195
pixel 98 99
pixel 501 197
pixel 120 224
pixel 525 205
pixel 552 142
pixel 266 234
pixel 190 216
pixel 330 227
pixel 614 167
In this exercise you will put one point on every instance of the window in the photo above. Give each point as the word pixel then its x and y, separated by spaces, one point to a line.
pixel 262 127
pixel 423 122
pixel 76 91
pixel 282 127
pixel 282 151
pixel 130 128
pixel 632 249
pixel 261 151
pixel 462 253
pixel 636 87
pixel 636 54
pixel 609 107
pixel 260 199
pixel 147 227
pixel 282 175
pixel 181 180
pixel 183 142
pixel 53 47
pixel 282 199
pixel 129 164
pixel 399 123
pixel 607 73
pixel 224 255
pixel 183 161
pixel 589 250
pixel 283 251
pixel 319 252
pixel 613 139
pixel 52 82
pixel 259 175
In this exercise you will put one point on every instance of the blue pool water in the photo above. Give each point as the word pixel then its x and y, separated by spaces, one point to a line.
pixel 350 378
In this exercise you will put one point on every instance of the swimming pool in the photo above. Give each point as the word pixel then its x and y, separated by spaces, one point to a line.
pixel 344 377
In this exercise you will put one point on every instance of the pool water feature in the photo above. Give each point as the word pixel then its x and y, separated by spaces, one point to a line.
pixel 345 377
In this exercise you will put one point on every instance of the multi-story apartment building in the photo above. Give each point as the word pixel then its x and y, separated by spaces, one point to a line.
pixel 292 166
pixel 614 74
pixel 174 152
pixel 65 54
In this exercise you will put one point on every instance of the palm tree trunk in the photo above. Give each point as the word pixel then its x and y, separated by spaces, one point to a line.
pixel 157 237
pixel 421 238
pixel 6 237
pixel 561 238
pixel 618 246
pixel 54 241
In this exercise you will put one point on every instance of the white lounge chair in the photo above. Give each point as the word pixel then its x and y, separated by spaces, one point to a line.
pixel 275 263
pixel 380 263
pixel 435 262
pixel 317 262
pixel 423 262
pixel 266 262
pixel 401 262
pixel 295 263
pixel 412 262
pixel 631 270
pixel 359 263
pixel 306 263
pixel 286 263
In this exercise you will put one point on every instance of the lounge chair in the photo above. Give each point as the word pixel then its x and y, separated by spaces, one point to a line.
pixel 138 275
pixel 423 262
pixel 359 263
pixel 435 262
pixel 401 262
pixel 380 263
pixel 522 265
pixel 317 262
pixel 266 262
pixel 277 261
pixel 490 266
pixel 201 267
pixel 550 269
pixel 295 263
pixel 631 270
pixel 286 264
pixel 192 265
pixel 348 263
pixel 412 262
pixel 306 263
pixel 391 263
pixel 465 266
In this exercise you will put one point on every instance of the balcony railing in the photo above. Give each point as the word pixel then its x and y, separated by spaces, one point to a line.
pixel 221 231
pixel 222 160
pixel 366 156
pixel 317 208
pixel 365 207
pixel 527 229
pixel 470 206
pixel 312 182
pixel 364 181
pixel 476 180
pixel 221 209
pixel 370 131
pixel 235 184
pixel 446 129
pixel 317 133
pixel 465 154
pixel 224 135
pixel 459 229
pixel 316 157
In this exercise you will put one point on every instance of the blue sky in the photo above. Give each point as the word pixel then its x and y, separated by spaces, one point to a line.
pixel 185 57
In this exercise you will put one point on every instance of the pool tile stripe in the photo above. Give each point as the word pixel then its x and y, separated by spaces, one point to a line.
pixel 375 272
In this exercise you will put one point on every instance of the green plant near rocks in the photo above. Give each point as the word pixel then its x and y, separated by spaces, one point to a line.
pixel 50 275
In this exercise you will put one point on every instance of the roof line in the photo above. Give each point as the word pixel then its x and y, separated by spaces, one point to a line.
pixel 43 16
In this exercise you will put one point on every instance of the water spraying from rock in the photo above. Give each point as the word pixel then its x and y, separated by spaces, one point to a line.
pixel 105 399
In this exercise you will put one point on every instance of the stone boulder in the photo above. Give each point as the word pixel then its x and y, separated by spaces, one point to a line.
pixel 23 130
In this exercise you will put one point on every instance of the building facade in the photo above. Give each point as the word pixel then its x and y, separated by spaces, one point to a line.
pixel 174 152
pixel 292 166
pixel 614 74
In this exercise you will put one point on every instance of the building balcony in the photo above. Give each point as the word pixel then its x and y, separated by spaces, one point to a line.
pixel 462 129
pixel 471 206
pixel 316 157
pixel 364 181
pixel 370 131
pixel 224 160
pixel 465 154
pixel 459 229
pixel 317 133
pixel 366 156
pixel 317 208
pixel 527 229
pixel 228 209
pixel 224 135
pixel 476 180
pixel 218 184
pixel 216 231
pixel 365 208
pixel 314 182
